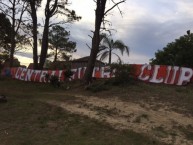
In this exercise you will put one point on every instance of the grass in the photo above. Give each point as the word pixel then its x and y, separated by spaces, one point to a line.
pixel 24 120
pixel 180 97
pixel 188 131
pixel 140 118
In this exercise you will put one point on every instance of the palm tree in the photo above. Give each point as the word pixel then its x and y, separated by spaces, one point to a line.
pixel 107 45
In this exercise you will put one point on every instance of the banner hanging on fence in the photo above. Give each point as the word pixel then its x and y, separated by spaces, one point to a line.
pixel 149 73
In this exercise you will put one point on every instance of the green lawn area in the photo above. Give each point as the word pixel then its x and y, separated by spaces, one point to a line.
pixel 25 120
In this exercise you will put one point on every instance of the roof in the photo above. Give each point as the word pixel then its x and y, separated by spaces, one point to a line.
pixel 84 59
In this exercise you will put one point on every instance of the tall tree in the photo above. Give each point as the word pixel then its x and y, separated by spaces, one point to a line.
pixel 14 9
pixel 5 33
pixel 179 52
pixel 60 44
pixel 107 45
pixel 53 8
pixel 32 9
pixel 100 14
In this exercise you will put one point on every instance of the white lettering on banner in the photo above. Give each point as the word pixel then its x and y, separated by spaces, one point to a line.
pixel 102 72
pixel 168 74
pixel 60 74
pixel 53 73
pixel 17 73
pixel 185 76
pixel 37 73
pixel 79 72
pixel 94 71
pixel 23 73
pixel 154 78
pixel 74 73
pixel 107 72
pixel 148 73
pixel 175 69
pixel 29 74
pixel 42 76
pixel 142 71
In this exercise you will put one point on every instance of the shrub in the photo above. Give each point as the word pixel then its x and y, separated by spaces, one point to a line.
pixel 54 80
pixel 68 73
pixel 123 73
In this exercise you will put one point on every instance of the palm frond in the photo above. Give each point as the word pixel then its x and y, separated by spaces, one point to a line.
pixel 106 42
pixel 121 46
pixel 102 47
pixel 119 58
pixel 104 55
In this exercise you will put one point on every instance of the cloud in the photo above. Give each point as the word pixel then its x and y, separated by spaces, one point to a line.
pixel 145 26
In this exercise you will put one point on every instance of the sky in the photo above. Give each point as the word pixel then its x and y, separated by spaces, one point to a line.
pixel 145 26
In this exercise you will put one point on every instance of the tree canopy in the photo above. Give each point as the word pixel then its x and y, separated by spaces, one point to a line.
pixel 107 45
pixel 14 9
pixel 60 44
pixel 179 52
pixel 55 8
pixel 5 33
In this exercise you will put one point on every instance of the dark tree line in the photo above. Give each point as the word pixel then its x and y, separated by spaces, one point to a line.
pixel 53 8
pixel 15 10
pixel 179 52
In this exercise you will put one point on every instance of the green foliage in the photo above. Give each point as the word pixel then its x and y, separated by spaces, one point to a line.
pixel 123 73
pixel 3 57
pixel 59 43
pixel 179 53
pixel 107 45
pixel 123 76
pixel 5 34
pixel 54 81
pixel 68 73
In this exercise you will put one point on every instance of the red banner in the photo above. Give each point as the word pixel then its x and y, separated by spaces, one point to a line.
pixel 155 74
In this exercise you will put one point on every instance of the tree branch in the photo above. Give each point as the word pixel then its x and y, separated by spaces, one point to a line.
pixel 5 4
pixel 22 12
pixel 116 4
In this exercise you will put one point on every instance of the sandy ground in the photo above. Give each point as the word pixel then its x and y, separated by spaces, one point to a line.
pixel 160 123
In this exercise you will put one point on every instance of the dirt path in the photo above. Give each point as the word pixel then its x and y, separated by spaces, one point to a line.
pixel 163 124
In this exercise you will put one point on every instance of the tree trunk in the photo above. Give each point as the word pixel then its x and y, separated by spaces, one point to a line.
pixel 12 36
pixel 49 12
pixel 110 53
pixel 35 45
pixel 56 54
pixel 44 47
pixel 99 15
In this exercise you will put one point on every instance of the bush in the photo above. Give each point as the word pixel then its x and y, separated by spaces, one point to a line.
pixel 54 80
pixel 68 73
pixel 123 74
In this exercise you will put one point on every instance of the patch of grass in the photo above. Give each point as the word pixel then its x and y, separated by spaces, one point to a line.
pixel 141 118
pixel 24 120
pixel 97 87
pixel 188 131
pixel 160 132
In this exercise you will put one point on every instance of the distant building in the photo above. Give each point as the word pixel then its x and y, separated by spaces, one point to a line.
pixel 76 63
pixel 82 62
pixel 30 66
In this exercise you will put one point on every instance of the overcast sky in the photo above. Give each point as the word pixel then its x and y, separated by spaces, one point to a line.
pixel 145 26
